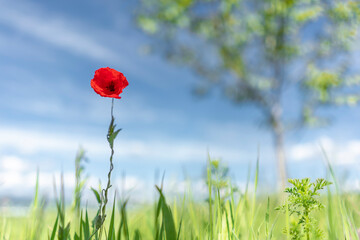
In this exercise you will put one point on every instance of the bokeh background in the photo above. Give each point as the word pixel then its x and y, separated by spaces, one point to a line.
pixel 49 51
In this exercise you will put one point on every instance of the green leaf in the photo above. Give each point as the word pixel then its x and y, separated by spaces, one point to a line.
pixel 137 235
pixel 123 227
pixel 97 195
pixel 168 219
pixel 111 235
pixel 179 230
pixel 112 133
pixel 76 237
pixel 86 226
pixel 53 233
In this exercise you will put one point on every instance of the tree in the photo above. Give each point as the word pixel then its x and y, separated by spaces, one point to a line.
pixel 258 50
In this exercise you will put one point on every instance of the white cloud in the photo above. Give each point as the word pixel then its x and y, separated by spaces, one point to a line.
pixel 28 142
pixel 302 151
pixel 305 151
pixel 310 150
pixel 351 185
pixel 22 184
pixel 54 30
pixel 13 163
pixel 349 153
pixel 340 153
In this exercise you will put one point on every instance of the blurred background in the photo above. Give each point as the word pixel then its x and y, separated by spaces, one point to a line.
pixel 175 110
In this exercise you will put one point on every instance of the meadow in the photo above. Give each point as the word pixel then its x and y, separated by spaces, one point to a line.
pixel 305 210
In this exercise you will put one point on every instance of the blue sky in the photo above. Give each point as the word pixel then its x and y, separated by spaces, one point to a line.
pixel 49 51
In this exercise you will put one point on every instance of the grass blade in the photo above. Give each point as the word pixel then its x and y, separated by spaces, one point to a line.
pixel 53 233
pixel 168 219
pixel 111 235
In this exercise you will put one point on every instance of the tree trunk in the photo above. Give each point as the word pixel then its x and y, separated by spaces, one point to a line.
pixel 280 157
pixel 279 145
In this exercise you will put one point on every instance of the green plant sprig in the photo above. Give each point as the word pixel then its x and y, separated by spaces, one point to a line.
pixel 301 202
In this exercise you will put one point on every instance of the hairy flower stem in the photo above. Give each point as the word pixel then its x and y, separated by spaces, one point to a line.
pixel 104 192
pixel 108 186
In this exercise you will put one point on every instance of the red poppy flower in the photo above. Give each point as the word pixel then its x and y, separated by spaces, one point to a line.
pixel 108 82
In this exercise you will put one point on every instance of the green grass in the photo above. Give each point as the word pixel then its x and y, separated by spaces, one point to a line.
pixel 226 214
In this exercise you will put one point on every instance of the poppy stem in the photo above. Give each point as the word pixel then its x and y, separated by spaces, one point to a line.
pixel 104 192
pixel 112 107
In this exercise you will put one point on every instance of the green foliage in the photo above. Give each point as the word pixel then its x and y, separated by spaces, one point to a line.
pixel 36 222
pixel 63 228
pixel 256 45
pixel 322 82
pixel 219 173
pixel 112 132
pixel 168 224
pixel 79 180
pixel 301 202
